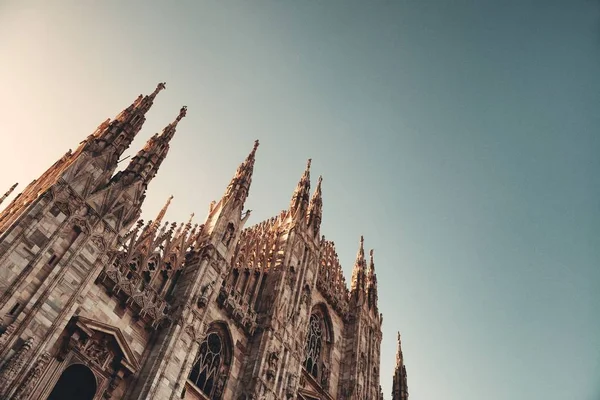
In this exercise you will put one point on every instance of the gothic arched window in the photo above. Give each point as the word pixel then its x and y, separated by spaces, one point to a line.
pixel 319 342
pixel 211 365
pixel 314 345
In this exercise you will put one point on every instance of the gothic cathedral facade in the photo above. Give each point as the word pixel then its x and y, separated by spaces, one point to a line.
pixel 96 304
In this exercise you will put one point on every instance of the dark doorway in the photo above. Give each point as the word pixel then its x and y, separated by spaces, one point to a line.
pixel 77 382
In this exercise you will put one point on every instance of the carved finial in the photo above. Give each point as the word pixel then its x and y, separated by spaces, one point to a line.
pixel 308 163
pixel 371 255
pixel 256 143
pixel 159 87
pixel 182 113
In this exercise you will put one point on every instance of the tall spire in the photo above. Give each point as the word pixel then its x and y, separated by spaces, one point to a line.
pixel 121 131
pixel 358 273
pixel 146 162
pixel 372 284
pixel 400 381
pixel 301 196
pixel 315 209
pixel 143 103
pixel 8 192
pixel 239 186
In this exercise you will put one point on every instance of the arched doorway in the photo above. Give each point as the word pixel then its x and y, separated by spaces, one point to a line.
pixel 77 382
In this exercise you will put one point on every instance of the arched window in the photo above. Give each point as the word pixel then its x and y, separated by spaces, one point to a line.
pixel 211 365
pixel 314 345
pixel 319 341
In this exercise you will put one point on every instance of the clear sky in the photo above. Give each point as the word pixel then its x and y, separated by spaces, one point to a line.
pixel 459 137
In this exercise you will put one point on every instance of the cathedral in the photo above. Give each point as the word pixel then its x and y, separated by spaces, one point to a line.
pixel 98 304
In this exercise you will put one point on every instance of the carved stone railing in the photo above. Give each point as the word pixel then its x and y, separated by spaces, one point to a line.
pixel 145 303
pixel 238 309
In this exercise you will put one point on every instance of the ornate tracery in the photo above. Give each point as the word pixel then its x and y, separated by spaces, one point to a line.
pixel 211 365
pixel 314 345
pixel 317 351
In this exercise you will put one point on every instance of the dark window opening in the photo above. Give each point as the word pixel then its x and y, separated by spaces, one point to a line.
pixel 52 260
pixel 14 309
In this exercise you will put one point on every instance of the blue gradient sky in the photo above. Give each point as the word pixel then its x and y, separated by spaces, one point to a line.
pixel 460 137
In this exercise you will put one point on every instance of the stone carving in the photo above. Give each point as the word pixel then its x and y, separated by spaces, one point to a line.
pixel 97 352
pixel 10 329
pixel 238 308
pixel 324 376
pixel 205 294
pixel 98 241
pixel 32 377
pixel 63 207
pixel 14 365
pixel 272 360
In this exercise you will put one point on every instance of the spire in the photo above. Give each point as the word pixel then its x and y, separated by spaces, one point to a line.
pixel 399 357
pixel 372 283
pixel 169 131
pixel 8 192
pixel 121 131
pixel 301 196
pixel 161 213
pixel 315 208
pixel 400 381
pixel 239 186
pixel 358 273
pixel 146 162
pixel 143 103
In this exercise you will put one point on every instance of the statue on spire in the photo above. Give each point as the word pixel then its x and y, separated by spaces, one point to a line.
pixel 159 87
pixel 182 113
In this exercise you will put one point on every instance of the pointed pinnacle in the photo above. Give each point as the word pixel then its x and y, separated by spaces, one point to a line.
pixel 169 130
pixel 239 186
pixel 399 356
pixel 315 207
pixel 300 197
pixel 249 163
pixel 316 197
pixel 161 214
pixel 361 249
